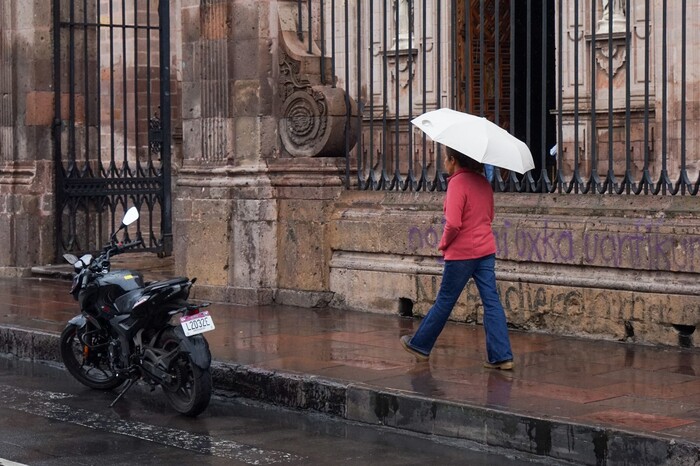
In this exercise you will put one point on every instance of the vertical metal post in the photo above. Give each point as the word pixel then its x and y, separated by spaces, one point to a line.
pixel 627 181
pixel 593 180
pixel 559 180
pixel 664 181
pixel 371 181
pixel 164 44
pixel 576 181
pixel 360 103
pixel 609 179
pixel 57 123
pixel 543 181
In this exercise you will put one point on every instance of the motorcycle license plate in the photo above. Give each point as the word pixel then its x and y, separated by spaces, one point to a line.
pixel 197 323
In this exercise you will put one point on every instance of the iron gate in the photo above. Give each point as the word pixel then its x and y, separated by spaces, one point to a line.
pixel 112 122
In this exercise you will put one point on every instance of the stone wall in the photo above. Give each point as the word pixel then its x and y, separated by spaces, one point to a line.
pixel 605 267
pixel 26 114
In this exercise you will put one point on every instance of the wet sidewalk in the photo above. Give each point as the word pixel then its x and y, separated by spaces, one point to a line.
pixel 585 401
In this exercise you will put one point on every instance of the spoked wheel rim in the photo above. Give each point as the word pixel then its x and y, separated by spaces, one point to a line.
pixel 84 352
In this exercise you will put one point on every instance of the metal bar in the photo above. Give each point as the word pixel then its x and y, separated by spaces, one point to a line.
pixel 441 185
pixel 86 83
pixel 423 183
pixel 611 174
pixel 125 94
pixel 71 92
pixel 646 182
pixel 57 124
pixel 482 59
pixel 164 51
pixel 136 90
pixel 308 2
pixel 371 181
pixel 664 181
pixel 149 109
pixel 593 180
pixel 300 28
pixel 467 56
pixel 453 55
pixel 383 183
pixel 359 145
pixel 111 88
pixel 323 43
pixel 627 180
pixel 333 43
pixel 347 99
pixel 576 181
pixel 411 179
pixel 513 181
pixel 559 181
pixel 544 182
pixel 529 182
pixel 497 74
pixel 396 180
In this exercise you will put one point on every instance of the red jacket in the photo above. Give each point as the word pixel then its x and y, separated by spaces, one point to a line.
pixel 468 209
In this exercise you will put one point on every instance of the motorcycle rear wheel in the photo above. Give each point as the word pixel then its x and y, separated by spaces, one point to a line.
pixel 190 391
pixel 89 366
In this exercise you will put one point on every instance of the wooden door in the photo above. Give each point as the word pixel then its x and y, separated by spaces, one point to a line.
pixel 484 75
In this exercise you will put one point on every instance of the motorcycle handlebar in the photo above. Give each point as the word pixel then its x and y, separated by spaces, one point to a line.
pixel 130 245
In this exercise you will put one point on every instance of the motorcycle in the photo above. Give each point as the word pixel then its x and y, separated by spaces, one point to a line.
pixel 124 332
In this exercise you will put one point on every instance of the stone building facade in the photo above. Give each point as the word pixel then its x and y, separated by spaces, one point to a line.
pixel 262 214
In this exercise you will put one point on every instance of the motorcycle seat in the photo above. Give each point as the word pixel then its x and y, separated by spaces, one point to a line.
pixel 125 303
pixel 165 283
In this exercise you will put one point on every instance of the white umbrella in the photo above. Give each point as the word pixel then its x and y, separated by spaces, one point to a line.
pixel 477 138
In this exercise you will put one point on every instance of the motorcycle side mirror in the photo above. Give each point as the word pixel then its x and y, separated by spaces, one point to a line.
pixel 70 258
pixel 77 265
pixel 130 216
pixel 86 259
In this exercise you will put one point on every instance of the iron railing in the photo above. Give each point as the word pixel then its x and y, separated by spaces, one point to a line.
pixel 112 121
pixel 597 89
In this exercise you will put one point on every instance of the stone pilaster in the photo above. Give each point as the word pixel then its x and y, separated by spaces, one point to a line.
pixel 26 114
pixel 225 206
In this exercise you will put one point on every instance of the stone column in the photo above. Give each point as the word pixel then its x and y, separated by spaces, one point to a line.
pixel 261 140
pixel 225 212
pixel 26 115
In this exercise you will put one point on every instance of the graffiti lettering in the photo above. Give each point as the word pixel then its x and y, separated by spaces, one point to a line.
pixel 646 247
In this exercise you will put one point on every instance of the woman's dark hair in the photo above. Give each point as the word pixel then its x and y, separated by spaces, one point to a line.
pixel 464 161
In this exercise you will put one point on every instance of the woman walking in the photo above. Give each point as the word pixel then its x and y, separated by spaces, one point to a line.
pixel 469 249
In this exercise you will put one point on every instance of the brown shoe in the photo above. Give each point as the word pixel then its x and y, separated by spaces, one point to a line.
pixel 503 365
pixel 419 356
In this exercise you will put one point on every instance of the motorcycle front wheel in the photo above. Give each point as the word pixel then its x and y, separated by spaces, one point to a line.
pixel 84 353
pixel 189 390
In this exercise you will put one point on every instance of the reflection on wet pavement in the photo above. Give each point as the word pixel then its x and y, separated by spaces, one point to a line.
pixel 647 389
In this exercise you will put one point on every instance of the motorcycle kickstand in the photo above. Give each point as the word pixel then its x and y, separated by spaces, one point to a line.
pixel 129 384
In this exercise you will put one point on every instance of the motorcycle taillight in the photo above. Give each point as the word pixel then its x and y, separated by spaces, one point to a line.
pixel 191 312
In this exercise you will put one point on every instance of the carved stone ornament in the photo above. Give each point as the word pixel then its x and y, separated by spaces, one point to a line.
pixel 618 52
pixel 314 117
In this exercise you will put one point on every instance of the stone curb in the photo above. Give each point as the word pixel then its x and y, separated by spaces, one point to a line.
pixel 559 440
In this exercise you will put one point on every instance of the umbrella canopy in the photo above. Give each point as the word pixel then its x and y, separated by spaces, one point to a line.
pixel 477 138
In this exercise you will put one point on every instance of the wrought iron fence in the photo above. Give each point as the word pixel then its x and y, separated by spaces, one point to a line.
pixel 598 90
pixel 112 121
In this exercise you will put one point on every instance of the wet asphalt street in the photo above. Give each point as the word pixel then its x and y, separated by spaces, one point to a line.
pixel 46 418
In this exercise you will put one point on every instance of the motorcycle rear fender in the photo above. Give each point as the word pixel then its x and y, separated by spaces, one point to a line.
pixel 197 347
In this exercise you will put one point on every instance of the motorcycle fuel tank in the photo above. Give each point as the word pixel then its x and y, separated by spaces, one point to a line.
pixel 114 284
pixel 124 280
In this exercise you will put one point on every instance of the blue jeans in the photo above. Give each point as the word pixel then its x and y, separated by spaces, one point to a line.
pixel 455 276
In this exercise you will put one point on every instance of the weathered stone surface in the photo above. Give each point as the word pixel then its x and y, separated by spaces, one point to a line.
pixel 589 267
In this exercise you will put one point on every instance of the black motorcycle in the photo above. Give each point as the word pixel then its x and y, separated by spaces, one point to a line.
pixel 124 331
